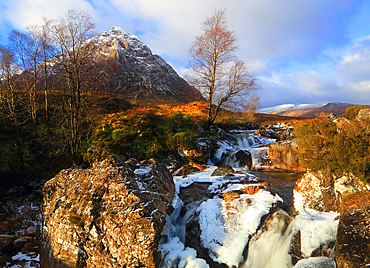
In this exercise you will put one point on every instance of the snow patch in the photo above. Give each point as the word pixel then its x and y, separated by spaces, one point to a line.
pixel 142 170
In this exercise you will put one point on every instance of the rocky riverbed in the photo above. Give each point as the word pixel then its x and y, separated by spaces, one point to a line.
pixel 19 222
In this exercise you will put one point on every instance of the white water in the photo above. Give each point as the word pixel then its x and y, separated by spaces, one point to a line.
pixel 254 144
pixel 272 247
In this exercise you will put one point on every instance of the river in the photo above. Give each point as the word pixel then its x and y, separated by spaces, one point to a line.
pixel 218 222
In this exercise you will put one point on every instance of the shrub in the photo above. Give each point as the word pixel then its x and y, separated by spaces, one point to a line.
pixel 322 146
pixel 140 135
pixel 352 112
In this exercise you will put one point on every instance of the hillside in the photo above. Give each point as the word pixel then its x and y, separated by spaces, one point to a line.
pixel 307 110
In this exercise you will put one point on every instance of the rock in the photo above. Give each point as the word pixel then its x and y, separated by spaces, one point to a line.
pixel 309 187
pixel 329 193
pixel 363 114
pixel 4 259
pixel 31 248
pixel 202 151
pixel 223 171
pixel 244 158
pixel 356 200
pixel 316 262
pixel 19 243
pixel 295 247
pixel 353 238
pixel 6 243
pixel 284 155
pixel 30 231
pixel 110 215
pixel 325 250
pixel 185 170
pixel 231 209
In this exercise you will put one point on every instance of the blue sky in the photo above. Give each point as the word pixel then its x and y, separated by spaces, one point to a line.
pixel 314 51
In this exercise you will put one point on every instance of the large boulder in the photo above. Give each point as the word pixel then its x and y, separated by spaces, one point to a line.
pixel 327 192
pixel 110 215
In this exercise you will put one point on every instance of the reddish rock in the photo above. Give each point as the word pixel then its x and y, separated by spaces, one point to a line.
pixel 331 193
pixel 185 170
pixel 284 155
pixel 357 201
pixel 196 165
pixel 30 231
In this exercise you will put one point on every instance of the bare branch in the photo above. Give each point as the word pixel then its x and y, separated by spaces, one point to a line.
pixel 214 68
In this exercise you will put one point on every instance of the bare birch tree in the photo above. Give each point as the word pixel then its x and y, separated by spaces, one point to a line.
pixel 10 105
pixel 214 68
pixel 73 57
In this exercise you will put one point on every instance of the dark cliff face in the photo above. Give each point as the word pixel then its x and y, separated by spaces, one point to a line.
pixel 142 77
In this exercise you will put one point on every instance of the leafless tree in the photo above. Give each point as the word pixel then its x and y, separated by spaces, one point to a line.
pixel 27 46
pixel 11 107
pixel 74 59
pixel 214 68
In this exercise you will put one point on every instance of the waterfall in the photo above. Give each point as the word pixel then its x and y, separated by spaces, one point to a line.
pixel 272 246
pixel 255 145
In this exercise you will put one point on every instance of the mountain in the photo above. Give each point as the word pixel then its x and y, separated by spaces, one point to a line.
pixel 307 110
pixel 142 77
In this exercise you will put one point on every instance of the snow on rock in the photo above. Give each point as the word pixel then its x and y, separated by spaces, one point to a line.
pixel 226 226
pixel 186 257
pixel 316 227
pixel 316 262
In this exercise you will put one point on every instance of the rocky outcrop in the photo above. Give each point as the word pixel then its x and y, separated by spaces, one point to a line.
pixel 363 114
pixel 284 155
pixel 353 238
pixel 202 150
pixel 110 215
pixel 327 193
pixel 19 236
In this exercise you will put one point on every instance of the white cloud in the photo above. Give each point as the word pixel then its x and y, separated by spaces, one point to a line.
pixel 272 35
pixel 23 13
pixel 355 63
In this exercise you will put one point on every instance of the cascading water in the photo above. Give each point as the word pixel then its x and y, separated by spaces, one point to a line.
pixel 250 143
pixel 272 246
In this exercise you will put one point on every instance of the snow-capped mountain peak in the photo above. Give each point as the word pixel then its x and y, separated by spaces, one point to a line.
pixel 144 78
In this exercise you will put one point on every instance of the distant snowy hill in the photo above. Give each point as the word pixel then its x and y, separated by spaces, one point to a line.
pixel 306 110
pixel 273 109
pixel 143 77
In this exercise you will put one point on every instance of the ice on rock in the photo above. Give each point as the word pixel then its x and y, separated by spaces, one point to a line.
pixel 316 227
pixel 226 231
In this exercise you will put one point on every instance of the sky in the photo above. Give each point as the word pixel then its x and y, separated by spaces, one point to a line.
pixel 301 51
